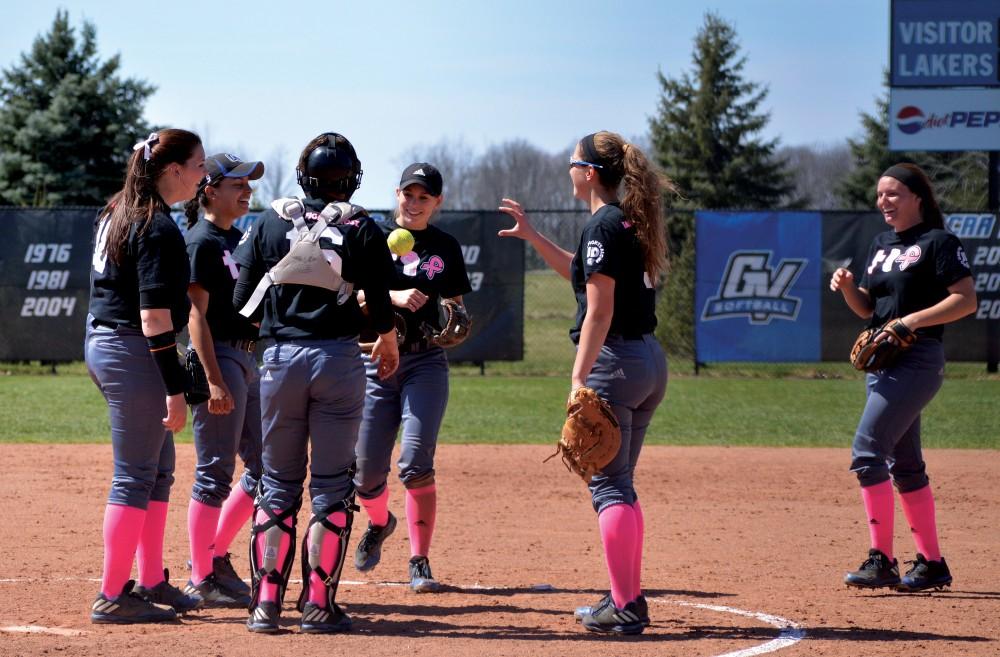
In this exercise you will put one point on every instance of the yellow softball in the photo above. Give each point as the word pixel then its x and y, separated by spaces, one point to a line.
pixel 400 241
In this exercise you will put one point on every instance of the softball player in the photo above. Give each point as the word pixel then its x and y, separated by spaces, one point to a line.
pixel 312 383
pixel 229 422
pixel 138 302
pixel 621 252
pixel 918 273
pixel 417 394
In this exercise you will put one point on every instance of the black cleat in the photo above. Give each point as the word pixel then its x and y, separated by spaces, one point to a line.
pixel 166 593
pixel 925 575
pixel 226 576
pixel 264 618
pixel 876 572
pixel 369 550
pixel 317 620
pixel 641 607
pixel 129 608
pixel 609 619
pixel 421 579
pixel 215 594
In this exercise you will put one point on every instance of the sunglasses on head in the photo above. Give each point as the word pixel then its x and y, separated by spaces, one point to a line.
pixel 583 163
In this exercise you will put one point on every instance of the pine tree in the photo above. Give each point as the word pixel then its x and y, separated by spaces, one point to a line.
pixel 706 138
pixel 960 178
pixel 67 121
pixel 706 135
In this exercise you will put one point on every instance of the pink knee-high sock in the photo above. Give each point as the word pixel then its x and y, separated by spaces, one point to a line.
pixel 421 511
pixel 202 520
pixel 328 552
pixel 619 536
pixel 640 531
pixel 880 509
pixel 918 505
pixel 377 508
pixel 269 591
pixel 122 528
pixel 236 510
pixel 149 555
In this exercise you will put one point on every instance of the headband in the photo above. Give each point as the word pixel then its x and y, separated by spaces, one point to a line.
pixel 147 145
pixel 914 182
pixel 589 149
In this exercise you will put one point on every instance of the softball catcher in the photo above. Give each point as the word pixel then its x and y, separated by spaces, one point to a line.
pixel 916 279
pixel 299 265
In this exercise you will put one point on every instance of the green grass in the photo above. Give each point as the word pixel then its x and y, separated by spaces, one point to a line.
pixel 507 409
pixel 805 404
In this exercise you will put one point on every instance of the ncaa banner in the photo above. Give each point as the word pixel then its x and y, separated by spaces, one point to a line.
pixel 757 286
pixel 944 119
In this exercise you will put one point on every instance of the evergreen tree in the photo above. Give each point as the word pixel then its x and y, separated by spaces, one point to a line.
pixel 67 121
pixel 706 138
pixel 706 134
pixel 960 178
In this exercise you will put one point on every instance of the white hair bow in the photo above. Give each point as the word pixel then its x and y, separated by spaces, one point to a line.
pixel 147 145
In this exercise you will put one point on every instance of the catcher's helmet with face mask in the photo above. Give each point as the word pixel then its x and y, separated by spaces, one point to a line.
pixel 329 169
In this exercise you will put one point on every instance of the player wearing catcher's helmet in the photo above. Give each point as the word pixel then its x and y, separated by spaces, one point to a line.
pixel 223 342
pixel 917 274
pixel 138 303
pixel 312 382
pixel 415 396
pixel 618 258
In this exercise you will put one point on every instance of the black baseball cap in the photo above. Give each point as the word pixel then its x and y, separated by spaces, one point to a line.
pixel 227 165
pixel 423 174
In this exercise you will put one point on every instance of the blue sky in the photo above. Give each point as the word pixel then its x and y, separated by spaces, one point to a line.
pixel 259 76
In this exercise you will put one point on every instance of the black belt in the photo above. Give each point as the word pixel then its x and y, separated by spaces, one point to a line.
pixel 630 336
pixel 111 325
pixel 417 347
pixel 247 345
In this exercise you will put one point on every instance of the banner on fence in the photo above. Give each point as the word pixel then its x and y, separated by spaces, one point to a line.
pixel 45 279
pixel 761 284
pixel 756 286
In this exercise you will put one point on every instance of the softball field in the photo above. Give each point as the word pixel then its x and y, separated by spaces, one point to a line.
pixel 745 553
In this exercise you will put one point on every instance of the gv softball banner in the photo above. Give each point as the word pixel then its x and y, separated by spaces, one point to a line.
pixel 756 286
pixel 761 285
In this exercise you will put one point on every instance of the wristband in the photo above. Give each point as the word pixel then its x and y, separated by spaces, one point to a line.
pixel 163 349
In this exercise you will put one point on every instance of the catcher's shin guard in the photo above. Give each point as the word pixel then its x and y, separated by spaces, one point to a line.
pixel 318 532
pixel 268 563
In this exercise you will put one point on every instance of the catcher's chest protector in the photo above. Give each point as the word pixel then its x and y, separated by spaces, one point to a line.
pixel 306 263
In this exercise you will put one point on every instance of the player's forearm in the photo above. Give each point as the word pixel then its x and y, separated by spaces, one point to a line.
pixel 593 332
pixel 858 301
pixel 952 308
pixel 201 341
pixel 554 256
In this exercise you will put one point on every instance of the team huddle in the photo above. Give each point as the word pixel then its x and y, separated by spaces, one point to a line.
pixel 351 309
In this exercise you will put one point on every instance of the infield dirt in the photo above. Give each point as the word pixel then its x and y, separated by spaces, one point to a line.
pixel 768 531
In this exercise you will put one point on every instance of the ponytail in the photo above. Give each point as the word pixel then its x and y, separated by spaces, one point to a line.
pixel 625 164
pixel 192 209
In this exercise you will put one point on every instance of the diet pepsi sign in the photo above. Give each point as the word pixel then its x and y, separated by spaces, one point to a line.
pixel 944 119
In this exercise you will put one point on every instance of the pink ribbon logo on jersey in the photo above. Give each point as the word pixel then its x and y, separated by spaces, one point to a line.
pixel 911 256
pixel 433 266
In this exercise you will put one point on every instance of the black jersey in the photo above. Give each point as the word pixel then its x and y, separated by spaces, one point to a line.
pixel 609 245
pixel 436 267
pixel 210 250
pixel 912 270
pixel 306 312
pixel 153 273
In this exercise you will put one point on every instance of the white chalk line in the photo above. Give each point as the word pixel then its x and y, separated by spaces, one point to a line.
pixel 39 629
pixel 790 634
